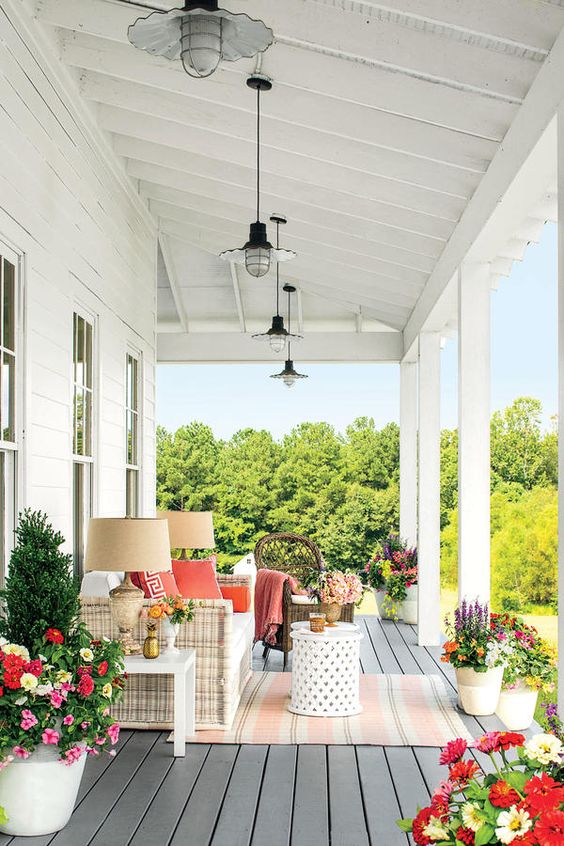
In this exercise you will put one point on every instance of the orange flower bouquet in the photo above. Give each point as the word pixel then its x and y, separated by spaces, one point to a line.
pixel 172 612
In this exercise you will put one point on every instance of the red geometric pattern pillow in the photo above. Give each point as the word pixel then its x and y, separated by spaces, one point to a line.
pixel 156 585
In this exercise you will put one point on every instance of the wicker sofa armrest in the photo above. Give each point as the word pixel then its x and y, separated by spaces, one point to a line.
pixel 235 580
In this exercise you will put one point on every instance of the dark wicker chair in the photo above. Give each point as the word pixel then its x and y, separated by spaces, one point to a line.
pixel 297 556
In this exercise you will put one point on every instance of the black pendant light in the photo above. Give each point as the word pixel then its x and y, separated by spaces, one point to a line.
pixel 289 375
pixel 277 335
pixel 201 35
pixel 258 253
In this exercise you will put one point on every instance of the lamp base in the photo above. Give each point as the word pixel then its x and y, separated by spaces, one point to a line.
pixel 126 604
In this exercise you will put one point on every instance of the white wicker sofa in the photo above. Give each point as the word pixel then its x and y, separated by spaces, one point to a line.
pixel 223 642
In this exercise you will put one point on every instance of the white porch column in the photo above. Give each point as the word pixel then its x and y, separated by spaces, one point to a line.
pixel 474 291
pixel 408 451
pixel 560 153
pixel 429 488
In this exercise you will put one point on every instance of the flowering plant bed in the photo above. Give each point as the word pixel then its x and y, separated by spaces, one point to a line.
pixel 530 659
pixel 472 641
pixel 335 587
pixel 392 569
pixel 60 695
pixel 520 802
pixel 174 608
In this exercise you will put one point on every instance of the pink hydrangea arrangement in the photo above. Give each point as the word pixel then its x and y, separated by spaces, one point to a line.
pixel 336 587
pixel 61 696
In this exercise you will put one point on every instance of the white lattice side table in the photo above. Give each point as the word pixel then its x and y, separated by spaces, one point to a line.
pixel 326 672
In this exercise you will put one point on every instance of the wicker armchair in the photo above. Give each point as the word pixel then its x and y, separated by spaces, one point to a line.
pixel 297 556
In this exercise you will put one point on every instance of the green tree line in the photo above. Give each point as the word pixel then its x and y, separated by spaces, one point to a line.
pixel 341 489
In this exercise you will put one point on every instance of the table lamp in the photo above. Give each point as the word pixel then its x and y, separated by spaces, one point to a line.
pixel 189 529
pixel 130 545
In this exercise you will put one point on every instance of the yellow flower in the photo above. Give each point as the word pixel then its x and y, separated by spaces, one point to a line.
pixel 15 649
pixel 28 681
pixel 87 655
pixel 63 677
pixel 107 691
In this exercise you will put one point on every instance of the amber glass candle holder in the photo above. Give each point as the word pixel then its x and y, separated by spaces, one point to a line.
pixel 317 621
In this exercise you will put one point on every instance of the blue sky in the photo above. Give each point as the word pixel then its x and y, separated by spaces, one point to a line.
pixel 524 363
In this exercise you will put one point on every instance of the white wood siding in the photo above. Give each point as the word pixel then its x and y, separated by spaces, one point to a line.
pixel 87 243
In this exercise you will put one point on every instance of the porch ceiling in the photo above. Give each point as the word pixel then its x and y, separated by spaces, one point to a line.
pixel 381 126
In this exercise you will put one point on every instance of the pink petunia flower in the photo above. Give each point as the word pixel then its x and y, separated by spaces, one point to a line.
pixel 113 733
pixel 68 720
pixel 20 752
pixel 84 725
pixel 50 737
pixel 56 699
pixel 72 755
pixel 29 720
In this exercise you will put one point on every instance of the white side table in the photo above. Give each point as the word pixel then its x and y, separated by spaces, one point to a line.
pixel 326 671
pixel 182 666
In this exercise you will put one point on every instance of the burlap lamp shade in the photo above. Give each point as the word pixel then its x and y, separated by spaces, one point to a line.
pixel 189 529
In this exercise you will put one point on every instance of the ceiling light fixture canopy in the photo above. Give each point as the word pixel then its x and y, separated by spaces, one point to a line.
pixel 201 35
pixel 277 335
pixel 289 375
pixel 258 253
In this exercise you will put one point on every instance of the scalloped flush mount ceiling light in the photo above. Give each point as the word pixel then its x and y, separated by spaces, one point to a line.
pixel 201 35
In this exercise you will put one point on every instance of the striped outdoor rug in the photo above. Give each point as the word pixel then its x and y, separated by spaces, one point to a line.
pixel 398 711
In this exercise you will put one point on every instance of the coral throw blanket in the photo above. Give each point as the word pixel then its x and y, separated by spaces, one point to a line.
pixel 268 603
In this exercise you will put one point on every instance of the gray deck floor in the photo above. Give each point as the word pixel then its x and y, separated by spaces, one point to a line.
pixel 259 795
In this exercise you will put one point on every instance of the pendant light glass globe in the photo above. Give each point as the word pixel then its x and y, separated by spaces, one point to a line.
pixel 201 35
pixel 257 261
pixel 289 375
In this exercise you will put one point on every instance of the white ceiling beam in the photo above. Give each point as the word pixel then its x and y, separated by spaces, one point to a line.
pixel 227 348
pixel 522 166
pixel 406 50
pixel 276 193
pixel 173 279
pixel 301 233
pixel 213 196
pixel 223 232
pixel 237 295
pixel 516 23
pixel 234 117
pixel 352 279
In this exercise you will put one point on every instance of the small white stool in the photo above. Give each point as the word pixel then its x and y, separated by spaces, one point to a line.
pixel 181 665
pixel 326 671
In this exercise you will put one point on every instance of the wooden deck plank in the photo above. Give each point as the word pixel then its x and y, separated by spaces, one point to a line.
pixel 311 810
pixel 381 647
pixel 133 803
pixel 237 817
pixel 380 800
pixel 409 784
pixel 402 653
pixel 165 811
pixel 199 818
pixel 273 824
pixel 368 659
pixel 91 814
pixel 348 826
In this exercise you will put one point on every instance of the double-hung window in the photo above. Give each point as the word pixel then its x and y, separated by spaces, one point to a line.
pixel 83 429
pixel 132 434
pixel 9 355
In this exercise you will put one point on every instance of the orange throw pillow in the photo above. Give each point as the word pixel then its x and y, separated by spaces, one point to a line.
pixel 240 596
pixel 196 579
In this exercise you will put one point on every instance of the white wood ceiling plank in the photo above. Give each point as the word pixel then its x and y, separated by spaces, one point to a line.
pixel 211 191
pixel 276 192
pixel 344 120
pixel 300 233
pixel 168 258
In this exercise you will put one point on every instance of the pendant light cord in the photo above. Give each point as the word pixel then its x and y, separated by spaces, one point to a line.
pixel 289 325
pixel 258 153
pixel 277 269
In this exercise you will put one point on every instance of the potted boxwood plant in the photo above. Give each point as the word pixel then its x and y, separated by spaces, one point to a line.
pixel 392 575
pixel 530 668
pixel 478 654
pixel 57 685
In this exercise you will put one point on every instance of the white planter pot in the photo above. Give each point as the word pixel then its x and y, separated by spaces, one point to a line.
pixel 516 707
pixel 409 606
pixel 170 632
pixel 384 608
pixel 478 693
pixel 38 794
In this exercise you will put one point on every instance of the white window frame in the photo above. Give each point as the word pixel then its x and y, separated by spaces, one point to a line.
pixel 87 461
pixel 137 356
pixel 13 481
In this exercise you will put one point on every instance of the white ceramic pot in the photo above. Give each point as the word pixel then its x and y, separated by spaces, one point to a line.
pixel 409 606
pixel 478 693
pixel 38 794
pixel 516 707
pixel 170 632
pixel 384 606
